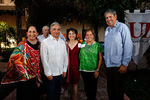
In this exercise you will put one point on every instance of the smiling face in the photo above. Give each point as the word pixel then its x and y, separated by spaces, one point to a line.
pixel 32 33
pixel 55 31
pixel 46 31
pixel 110 19
pixel 89 36
pixel 72 35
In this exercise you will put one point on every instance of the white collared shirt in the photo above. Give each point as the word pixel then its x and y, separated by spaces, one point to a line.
pixel 42 37
pixel 54 56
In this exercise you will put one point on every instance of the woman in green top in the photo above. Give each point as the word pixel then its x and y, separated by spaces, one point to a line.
pixel 90 57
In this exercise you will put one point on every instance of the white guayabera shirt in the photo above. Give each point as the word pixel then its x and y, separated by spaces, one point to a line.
pixel 54 56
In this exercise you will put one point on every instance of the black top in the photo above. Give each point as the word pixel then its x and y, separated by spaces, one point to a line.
pixel 34 46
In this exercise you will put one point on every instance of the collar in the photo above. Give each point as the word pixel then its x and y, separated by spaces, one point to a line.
pixel 52 38
pixel 43 35
pixel 115 25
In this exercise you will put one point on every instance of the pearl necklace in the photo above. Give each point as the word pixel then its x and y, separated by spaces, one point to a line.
pixel 32 41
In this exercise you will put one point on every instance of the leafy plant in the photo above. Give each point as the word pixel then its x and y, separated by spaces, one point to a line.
pixel 44 12
pixel 6 31
pixel 10 30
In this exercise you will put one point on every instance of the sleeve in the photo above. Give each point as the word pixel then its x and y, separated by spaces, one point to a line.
pixel 100 48
pixel 127 45
pixel 44 58
pixel 65 66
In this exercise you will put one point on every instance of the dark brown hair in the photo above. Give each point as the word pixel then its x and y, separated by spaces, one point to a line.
pixel 87 31
pixel 30 26
pixel 72 29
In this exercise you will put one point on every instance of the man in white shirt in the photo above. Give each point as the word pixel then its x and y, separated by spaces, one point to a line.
pixel 55 61
pixel 45 31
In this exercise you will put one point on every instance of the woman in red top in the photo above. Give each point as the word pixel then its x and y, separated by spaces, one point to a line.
pixel 73 66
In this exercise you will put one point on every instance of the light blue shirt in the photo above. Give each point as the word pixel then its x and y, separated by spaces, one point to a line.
pixel 42 37
pixel 118 45
pixel 62 37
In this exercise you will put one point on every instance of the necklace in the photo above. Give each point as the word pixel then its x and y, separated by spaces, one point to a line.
pixel 72 43
pixel 87 47
pixel 32 41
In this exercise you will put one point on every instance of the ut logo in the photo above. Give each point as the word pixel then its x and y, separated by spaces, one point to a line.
pixel 147 29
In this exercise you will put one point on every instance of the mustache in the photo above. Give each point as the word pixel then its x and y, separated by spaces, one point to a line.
pixel 56 33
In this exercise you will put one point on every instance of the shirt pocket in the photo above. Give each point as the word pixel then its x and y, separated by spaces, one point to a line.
pixel 115 60
pixel 116 46
pixel 51 50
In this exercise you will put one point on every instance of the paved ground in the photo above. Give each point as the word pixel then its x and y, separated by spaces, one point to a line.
pixel 101 90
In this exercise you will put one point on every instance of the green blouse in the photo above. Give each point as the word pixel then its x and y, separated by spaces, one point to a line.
pixel 89 56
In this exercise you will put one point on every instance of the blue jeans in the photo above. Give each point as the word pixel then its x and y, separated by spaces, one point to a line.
pixel 54 88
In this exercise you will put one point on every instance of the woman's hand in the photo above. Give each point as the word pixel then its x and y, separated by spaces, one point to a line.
pixel 96 74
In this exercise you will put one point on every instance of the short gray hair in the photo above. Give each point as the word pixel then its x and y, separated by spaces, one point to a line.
pixel 112 11
pixel 54 23
pixel 44 27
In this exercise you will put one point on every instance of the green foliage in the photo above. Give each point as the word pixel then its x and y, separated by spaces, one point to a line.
pixel 3 30
pixel 89 11
pixel 5 89
pixel 93 11
pixel 44 12
pixel 10 30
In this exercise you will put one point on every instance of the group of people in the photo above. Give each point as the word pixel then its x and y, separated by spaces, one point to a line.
pixel 56 59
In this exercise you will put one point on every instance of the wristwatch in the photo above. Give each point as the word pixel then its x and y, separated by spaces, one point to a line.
pixel 97 70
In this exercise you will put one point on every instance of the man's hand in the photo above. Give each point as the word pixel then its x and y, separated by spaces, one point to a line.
pixel 64 74
pixel 122 69
pixel 50 77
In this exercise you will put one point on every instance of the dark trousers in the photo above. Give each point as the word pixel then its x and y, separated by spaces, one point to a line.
pixel 115 84
pixel 28 90
pixel 90 85
pixel 54 88
pixel 43 85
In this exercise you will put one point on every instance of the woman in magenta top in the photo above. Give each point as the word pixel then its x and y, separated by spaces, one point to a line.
pixel 73 67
